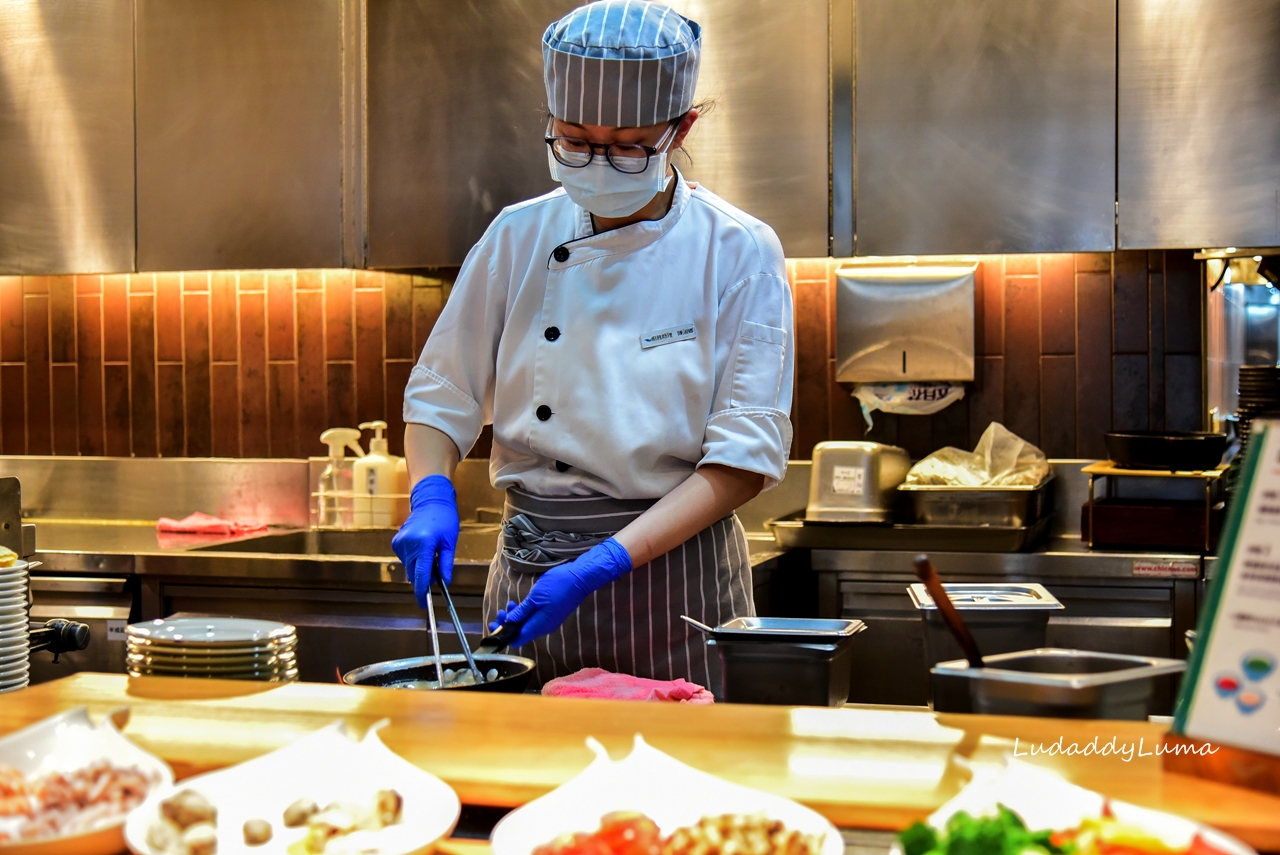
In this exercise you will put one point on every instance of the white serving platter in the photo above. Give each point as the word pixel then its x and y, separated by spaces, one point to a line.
pixel 1045 800
pixel 327 766
pixel 669 792
pixel 67 742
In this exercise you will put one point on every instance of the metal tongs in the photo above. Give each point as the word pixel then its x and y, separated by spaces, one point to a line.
pixel 457 627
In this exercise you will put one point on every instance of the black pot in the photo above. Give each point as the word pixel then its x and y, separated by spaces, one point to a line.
pixel 1175 451
pixel 514 672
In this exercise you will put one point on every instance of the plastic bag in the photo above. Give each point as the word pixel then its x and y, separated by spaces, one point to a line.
pixel 911 399
pixel 1001 459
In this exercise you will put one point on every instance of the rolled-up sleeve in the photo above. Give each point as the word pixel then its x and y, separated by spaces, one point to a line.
pixel 451 387
pixel 749 427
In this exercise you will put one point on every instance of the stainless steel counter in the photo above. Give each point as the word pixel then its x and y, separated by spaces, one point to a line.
pixel 1059 557
pixel 280 553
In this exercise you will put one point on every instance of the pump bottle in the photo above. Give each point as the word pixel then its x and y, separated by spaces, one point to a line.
pixel 334 488
pixel 375 475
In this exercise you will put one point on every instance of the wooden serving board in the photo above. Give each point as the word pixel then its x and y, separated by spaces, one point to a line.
pixel 862 767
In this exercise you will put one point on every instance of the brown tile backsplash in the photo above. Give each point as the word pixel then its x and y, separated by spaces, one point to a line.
pixel 1068 347
pixel 228 363
pixel 258 363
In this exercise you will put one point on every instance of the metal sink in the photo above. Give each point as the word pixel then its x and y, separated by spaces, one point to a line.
pixel 476 543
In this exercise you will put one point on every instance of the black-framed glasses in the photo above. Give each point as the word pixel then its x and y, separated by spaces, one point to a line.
pixel 631 158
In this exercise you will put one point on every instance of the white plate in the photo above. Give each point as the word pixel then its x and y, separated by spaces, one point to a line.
pixel 65 743
pixel 144 648
pixel 664 789
pixel 1045 800
pixel 326 766
pixel 286 677
pixel 17 674
pixel 211 631
pixel 204 658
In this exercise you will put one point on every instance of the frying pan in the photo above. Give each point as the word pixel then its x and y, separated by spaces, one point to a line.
pixel 514 672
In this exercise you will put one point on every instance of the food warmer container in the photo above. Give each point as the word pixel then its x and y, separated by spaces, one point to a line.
pixel 933 504
pixel 1003 617
pixel 1056 683
pixel 791 661
pixel 855 481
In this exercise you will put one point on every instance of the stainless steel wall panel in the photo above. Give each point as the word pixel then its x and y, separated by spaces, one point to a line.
pixel 843 144
pixel 455 117
pixel 985 126
pixel 239 125
pixel 66 136
pixel 765 146
pixel 1199 135
pixel 274 492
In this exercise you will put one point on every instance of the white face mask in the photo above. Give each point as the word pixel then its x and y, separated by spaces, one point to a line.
pixel 606 192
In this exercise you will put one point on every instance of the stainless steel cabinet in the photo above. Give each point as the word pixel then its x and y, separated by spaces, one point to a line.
pixel 66 136
pixel 456 115
pixel 1199 135
pixel 239 134
pixel 455 121
pixel 985 126
pixel 764 145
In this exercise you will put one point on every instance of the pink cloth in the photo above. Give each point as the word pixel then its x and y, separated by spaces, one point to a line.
pixel 199 523
pixel 599 683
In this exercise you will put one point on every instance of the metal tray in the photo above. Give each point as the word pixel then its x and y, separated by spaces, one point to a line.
pixel 794 532
pixel 986 596
pixel 1061 683
pixel 933 504
pixel 789 630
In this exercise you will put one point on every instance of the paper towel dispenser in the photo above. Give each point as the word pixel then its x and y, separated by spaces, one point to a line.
pixel 904 321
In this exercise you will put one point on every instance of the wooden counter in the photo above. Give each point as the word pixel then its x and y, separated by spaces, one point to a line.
pixel 862 767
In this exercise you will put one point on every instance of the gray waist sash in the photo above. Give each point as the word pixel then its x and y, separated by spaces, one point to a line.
pixel 539 532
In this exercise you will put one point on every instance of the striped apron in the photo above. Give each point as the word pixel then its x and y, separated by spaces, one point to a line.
pixel 631 626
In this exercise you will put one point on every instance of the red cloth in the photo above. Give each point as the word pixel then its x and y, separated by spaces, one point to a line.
pixel 199 523
pixel 599 683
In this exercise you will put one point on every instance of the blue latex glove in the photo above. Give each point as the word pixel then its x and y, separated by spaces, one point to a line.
pixel 562 589
pixel 430 530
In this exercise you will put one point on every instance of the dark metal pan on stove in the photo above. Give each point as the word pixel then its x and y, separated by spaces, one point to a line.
pixel 1174 451
pixel 513 673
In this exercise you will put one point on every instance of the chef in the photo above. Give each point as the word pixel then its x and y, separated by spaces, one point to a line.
pixel 629 336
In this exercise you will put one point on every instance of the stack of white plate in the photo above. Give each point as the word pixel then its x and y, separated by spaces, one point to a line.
pixel 224 648
pixel 15 654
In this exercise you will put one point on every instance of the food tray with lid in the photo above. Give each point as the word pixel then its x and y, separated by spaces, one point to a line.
pixel 792 630
pixel 936 504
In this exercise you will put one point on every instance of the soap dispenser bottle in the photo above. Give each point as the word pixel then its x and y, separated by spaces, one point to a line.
pixel 375 475
pixel 333 492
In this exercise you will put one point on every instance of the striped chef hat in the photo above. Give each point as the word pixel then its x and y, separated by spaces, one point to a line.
pixel 621 63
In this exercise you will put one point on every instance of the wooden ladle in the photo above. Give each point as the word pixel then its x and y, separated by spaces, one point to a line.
pixel 950 614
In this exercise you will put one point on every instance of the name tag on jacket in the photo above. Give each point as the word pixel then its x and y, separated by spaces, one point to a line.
pixel 683 332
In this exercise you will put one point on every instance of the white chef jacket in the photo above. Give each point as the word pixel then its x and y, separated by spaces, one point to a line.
pixel 615 363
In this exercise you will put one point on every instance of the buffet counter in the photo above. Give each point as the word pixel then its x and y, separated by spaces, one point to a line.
pixel 862 767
